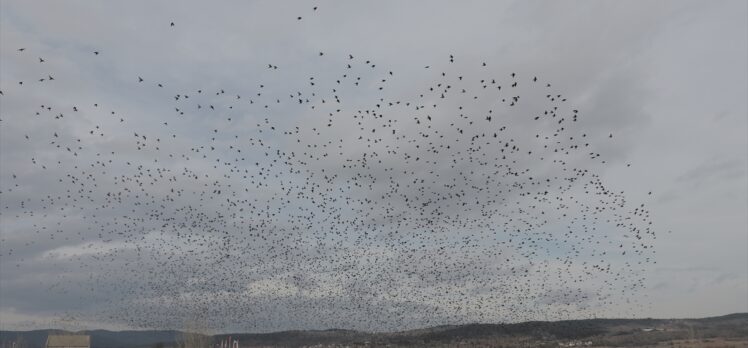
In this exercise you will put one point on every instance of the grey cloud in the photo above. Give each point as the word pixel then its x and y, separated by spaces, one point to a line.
pixel 598 55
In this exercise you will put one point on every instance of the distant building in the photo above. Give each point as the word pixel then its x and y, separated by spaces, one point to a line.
pixel 68 341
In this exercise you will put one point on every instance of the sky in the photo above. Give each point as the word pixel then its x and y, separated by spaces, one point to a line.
pixel 660 88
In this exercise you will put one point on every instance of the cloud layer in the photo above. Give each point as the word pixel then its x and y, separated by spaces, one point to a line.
pixel 316 195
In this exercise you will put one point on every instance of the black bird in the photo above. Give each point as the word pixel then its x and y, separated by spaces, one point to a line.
pixel 480 220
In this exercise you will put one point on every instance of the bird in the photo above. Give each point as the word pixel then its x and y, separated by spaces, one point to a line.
pixel 350 195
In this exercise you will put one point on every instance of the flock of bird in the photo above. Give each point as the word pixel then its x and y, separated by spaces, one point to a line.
pixel 351 199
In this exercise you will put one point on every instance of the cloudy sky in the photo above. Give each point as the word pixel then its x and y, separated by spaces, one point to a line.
pixel 668 79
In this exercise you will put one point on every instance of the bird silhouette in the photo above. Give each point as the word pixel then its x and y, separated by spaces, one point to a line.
pixel 356 195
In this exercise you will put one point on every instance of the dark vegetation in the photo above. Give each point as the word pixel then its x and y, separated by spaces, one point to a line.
pixel 730 331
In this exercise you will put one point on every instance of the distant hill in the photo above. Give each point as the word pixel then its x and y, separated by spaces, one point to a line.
pixel 590 332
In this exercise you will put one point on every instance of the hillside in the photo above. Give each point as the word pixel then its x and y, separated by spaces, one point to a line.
pixel 729 330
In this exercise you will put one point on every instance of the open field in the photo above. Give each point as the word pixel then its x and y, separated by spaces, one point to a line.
pixel 725 331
